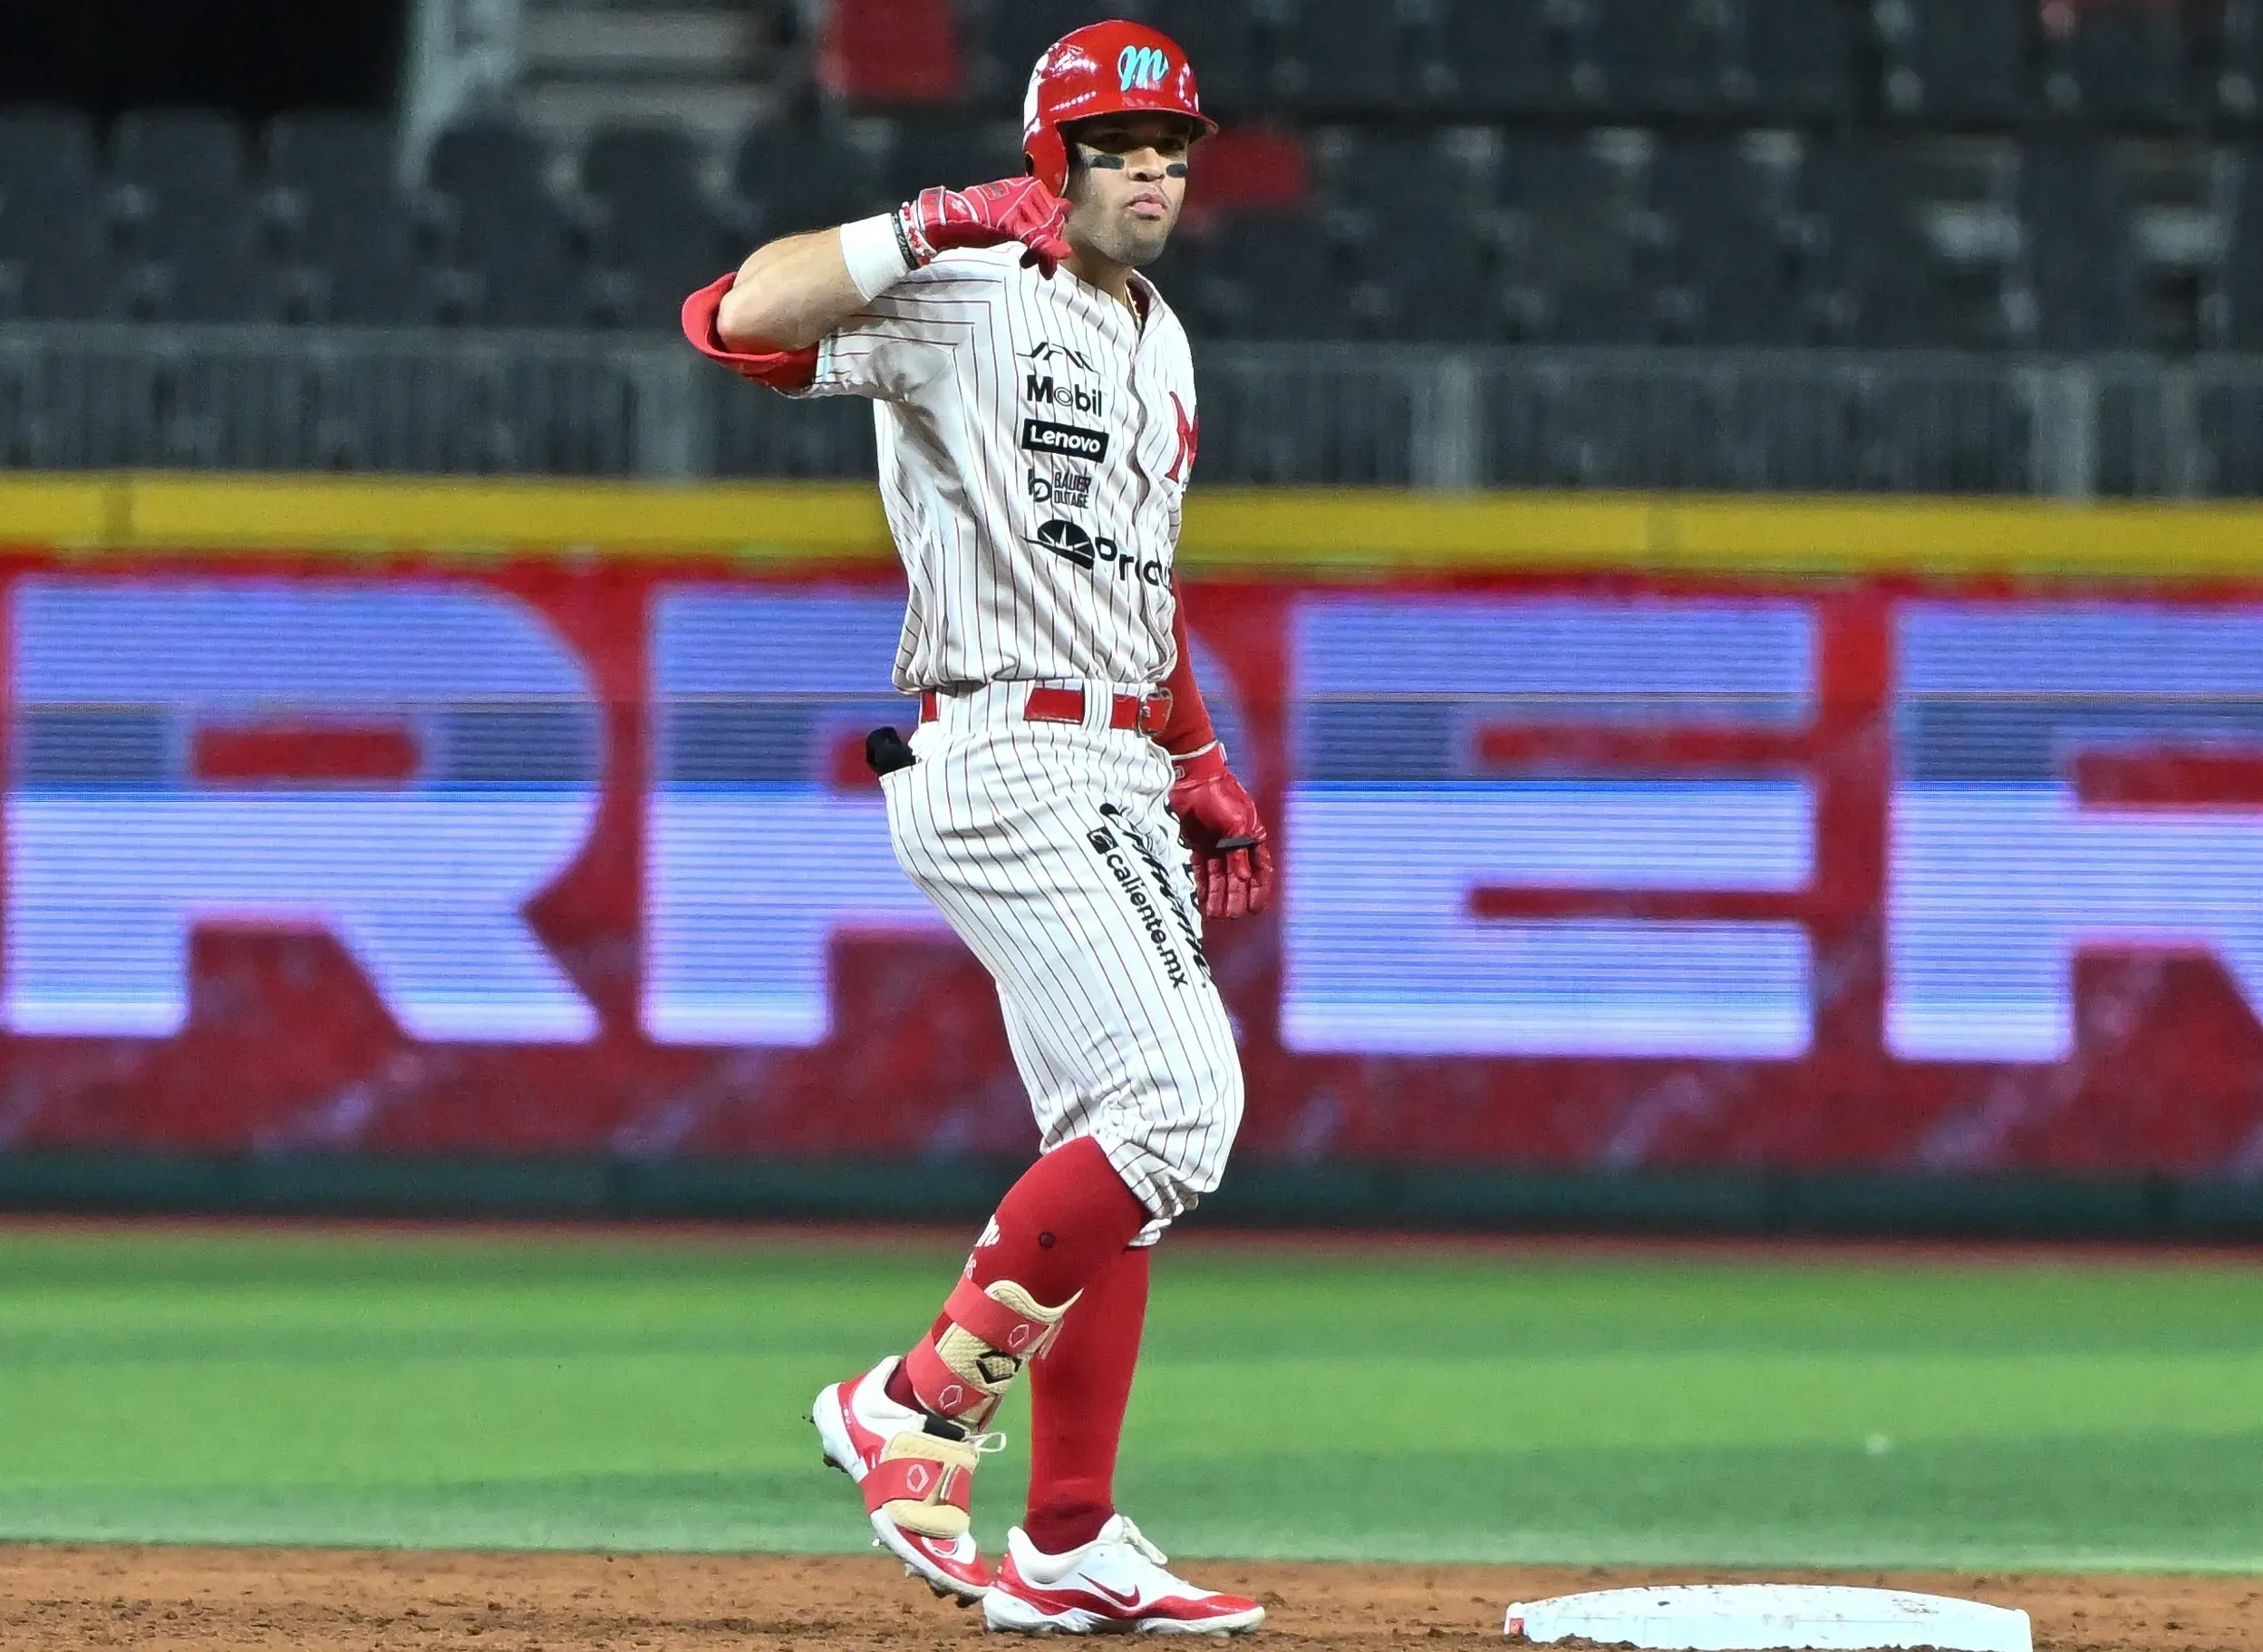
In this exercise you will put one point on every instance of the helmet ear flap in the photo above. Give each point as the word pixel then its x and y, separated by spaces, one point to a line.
pixel 1045 154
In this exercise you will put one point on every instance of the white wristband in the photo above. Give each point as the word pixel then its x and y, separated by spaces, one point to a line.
pixel 873 250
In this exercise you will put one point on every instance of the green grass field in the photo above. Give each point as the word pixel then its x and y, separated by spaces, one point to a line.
pixel 626 1392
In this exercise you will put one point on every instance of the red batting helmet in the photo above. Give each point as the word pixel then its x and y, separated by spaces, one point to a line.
pixel 1103 69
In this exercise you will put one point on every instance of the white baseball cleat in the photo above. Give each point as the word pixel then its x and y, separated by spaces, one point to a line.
pixel 1116 1584
pixel 918 1485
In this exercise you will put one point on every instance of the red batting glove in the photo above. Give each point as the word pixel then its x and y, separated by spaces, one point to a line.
pixel 1212 807
pixel 989 215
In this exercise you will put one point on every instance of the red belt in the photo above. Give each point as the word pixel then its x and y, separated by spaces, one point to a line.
pixel 1145 713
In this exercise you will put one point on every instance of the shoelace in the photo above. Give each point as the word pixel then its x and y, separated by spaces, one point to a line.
pixel 1136 1540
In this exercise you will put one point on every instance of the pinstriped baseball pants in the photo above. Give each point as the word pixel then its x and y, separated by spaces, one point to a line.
pixel 1051 850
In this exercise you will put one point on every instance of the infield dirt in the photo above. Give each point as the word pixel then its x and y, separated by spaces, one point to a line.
pixel 160 1597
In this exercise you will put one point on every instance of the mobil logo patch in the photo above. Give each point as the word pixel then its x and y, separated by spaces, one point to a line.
pixel 1044 390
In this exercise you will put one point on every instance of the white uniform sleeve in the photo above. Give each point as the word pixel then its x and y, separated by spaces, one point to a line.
pixel 907 335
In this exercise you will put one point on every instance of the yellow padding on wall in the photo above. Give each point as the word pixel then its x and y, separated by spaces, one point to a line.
pixel 2013 536
pixel 51 510
pixel 1354 527
pixel 1257 532
pixel 317 512
pixel 1312 530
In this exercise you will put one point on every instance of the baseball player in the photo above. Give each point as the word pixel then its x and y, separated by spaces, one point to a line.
pixel 1035 405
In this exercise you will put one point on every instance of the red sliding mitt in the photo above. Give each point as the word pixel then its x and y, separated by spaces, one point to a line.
pixel 988 215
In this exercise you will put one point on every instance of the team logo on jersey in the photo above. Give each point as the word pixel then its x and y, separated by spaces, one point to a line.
pixel 1064 441
pixel 1190 437
pixel 1041 388
pixel 1046 350
pixel 1071 489
pixel 1142 68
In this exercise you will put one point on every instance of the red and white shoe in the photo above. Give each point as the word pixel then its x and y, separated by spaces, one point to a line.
pixel 918 1486
pixel 1116 1584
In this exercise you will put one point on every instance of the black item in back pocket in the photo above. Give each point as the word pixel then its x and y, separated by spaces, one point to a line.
pixel 887 751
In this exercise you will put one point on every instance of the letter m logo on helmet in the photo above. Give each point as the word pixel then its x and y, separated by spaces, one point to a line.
pixel 1105 69
pixel 1141 68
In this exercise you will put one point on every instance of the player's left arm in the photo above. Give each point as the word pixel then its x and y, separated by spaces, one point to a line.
pixel 1233 855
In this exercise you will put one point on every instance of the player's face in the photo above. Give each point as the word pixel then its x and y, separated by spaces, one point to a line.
pixel 1127 185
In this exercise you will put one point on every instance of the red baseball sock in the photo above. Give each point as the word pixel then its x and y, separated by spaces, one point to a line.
pixel 1077 1392
pixel 1068 1217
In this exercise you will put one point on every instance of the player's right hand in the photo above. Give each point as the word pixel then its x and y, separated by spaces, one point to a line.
pixel 988 215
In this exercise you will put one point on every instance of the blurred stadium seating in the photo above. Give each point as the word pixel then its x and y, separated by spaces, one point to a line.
pixel 1778 172
pixel 1782 179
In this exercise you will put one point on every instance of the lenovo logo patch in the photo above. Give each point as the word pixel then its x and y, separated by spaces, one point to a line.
pixel 1066 441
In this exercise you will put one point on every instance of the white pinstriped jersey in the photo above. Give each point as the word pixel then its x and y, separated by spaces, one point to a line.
pixel 1035 443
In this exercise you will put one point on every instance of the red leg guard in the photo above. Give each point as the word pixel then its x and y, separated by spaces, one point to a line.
pixel 1077 1393
pixel 1066 1219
